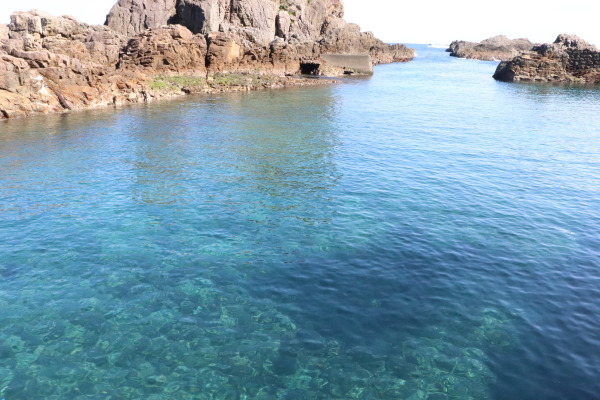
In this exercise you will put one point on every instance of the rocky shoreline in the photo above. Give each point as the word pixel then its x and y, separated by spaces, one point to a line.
pixel 569 59
pixel 151 49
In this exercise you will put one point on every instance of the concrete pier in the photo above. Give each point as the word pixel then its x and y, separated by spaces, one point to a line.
pixel 360 64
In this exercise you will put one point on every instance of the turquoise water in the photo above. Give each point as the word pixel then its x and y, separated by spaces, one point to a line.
pixel 426 233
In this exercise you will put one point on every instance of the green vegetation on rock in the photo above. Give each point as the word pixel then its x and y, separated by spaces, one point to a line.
pixel 176 82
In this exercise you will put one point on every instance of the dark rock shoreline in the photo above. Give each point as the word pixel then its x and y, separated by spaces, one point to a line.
pixel 151 49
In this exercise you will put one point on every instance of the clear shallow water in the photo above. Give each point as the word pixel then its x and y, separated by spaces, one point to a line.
pixel 424 233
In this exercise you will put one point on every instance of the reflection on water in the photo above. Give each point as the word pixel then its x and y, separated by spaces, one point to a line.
pixel 399 237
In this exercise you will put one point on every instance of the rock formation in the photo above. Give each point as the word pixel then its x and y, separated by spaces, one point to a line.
pixel 497 48
pixel 311 27
pixel 569 59
pixel 50 64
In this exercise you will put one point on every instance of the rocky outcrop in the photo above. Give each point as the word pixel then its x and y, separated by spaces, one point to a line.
pixel 52 64
pixel 497 48
pixel 569 59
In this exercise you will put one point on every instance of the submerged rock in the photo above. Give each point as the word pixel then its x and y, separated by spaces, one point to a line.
pixel 497 48
pixel 569 59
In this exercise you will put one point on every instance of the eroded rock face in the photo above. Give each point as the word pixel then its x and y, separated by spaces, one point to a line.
pixel 497 48
pixel 569 59
pixel 49 64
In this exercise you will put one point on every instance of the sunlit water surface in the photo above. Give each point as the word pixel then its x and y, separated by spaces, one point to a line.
pixel 427 233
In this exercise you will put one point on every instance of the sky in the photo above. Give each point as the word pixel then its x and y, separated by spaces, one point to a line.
pixel 433 21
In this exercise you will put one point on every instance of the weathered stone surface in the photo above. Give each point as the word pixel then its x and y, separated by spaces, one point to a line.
pixel 569 59
pixel 497 48
pixel 56 63
pixel 254 24
pixel 51 63
pixel 130 17
pixel 171 48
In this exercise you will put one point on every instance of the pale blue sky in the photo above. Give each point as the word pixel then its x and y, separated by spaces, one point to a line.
pixel 433 21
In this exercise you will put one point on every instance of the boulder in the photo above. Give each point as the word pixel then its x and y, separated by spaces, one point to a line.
pixel 568 59
pixel 49 64
pixel 497 48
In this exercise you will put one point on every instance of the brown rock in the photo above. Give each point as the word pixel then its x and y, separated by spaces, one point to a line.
pixel 568 59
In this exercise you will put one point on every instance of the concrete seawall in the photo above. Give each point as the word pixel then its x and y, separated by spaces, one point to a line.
pixel 361 64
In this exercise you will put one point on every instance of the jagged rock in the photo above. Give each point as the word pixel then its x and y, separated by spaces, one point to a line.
pixel 497 48
pixel 568 59
pixel 51 63
pixel 22 90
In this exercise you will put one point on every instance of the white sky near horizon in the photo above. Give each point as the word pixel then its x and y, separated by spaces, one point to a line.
pixel 433 21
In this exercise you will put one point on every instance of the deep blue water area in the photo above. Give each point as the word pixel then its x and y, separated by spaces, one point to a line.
pixel 425 233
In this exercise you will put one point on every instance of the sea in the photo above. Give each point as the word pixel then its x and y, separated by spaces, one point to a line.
pixel 427 233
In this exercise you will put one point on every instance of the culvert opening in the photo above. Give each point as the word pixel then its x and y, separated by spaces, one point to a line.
pixel 310 68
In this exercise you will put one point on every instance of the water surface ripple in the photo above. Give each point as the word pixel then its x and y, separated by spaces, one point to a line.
pixel 427 233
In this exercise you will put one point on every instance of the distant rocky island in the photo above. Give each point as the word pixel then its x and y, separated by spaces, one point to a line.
pixel 497 48
pixel 569 59
pixel 151 49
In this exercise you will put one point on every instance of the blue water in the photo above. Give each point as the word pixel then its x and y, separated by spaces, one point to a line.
pixel 426 233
